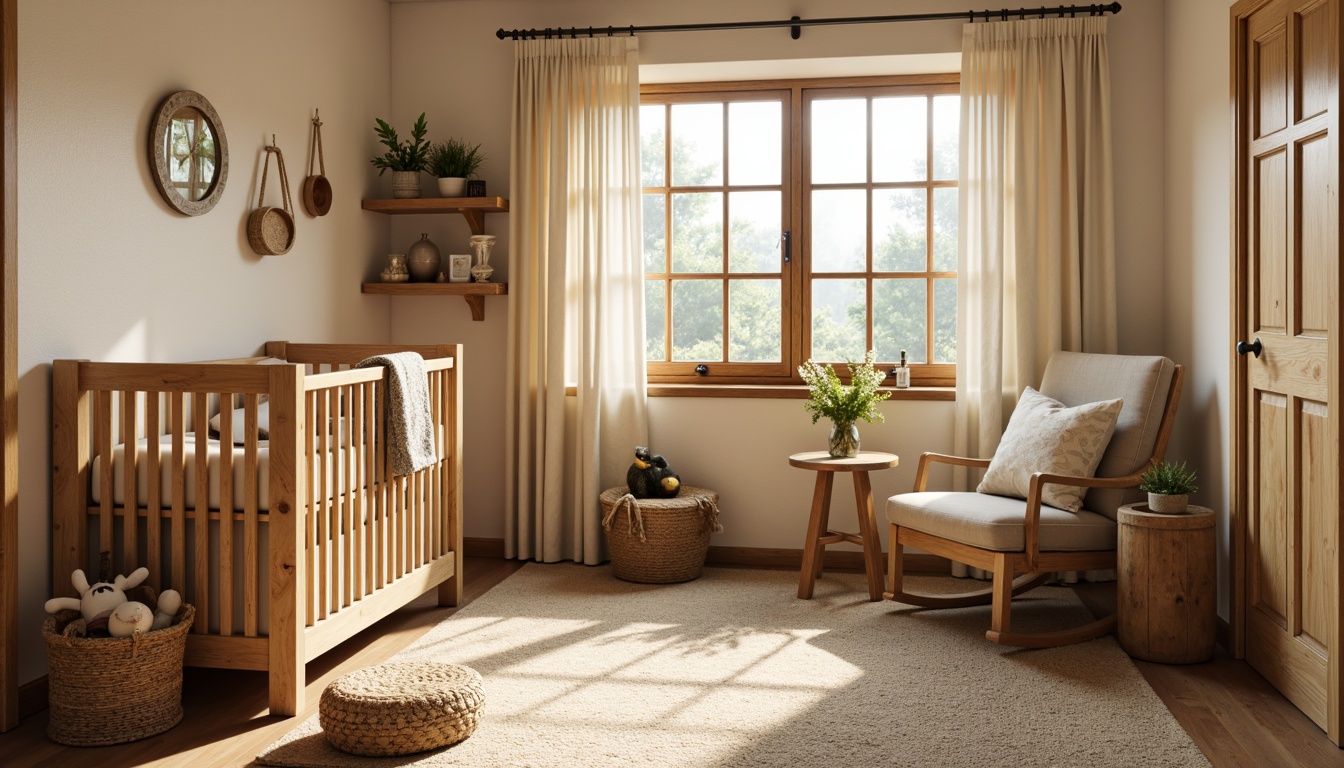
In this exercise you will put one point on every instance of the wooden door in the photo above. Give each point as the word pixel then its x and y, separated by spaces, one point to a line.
pixel 1285 421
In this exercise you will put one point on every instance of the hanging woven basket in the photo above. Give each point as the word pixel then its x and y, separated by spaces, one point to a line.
pixel 270 231
pixel 659 541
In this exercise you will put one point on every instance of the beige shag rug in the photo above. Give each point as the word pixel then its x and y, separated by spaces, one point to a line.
pixel 733 670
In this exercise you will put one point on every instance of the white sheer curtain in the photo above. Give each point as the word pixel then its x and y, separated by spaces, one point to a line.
pixel 1036 265
pixel 576 293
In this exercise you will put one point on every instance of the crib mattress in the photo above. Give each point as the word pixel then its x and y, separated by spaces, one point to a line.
pixel 239 472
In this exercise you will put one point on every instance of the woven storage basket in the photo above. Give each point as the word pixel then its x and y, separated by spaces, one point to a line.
pixel 659 541
pixel 401 708
pixel 109 690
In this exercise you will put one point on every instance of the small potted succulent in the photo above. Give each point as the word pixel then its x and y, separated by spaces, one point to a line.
pixel 406 159
pixel 1169 487
pixel 454 162
pixel 843 404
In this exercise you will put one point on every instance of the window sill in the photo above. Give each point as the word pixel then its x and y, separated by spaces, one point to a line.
pixel 785 392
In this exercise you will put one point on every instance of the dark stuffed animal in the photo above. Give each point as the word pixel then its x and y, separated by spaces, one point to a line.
pixel 667 484
pixel 650 478
pixel 637 476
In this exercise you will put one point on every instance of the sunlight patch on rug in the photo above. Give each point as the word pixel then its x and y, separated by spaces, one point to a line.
pixel 734 670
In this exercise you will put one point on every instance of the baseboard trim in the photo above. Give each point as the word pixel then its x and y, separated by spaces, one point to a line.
pixel 33 697
pixel 475 547
pixel 755 557
pixel 835 560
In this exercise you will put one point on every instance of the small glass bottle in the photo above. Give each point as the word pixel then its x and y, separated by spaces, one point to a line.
pixel 903 373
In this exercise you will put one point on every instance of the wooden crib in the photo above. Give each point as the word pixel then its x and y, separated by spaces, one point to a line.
pixel 308 532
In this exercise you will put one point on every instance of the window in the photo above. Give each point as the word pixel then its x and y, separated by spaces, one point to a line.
pixel 792 220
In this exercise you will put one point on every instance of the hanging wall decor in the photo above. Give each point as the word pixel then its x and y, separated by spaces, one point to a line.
pixel 270 230
pixel 189 153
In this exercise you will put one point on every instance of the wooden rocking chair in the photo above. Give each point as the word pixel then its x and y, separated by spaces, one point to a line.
pixel 1010 536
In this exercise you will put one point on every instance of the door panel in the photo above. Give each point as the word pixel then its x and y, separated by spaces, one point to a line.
pixel 1286 467
pixel 1319 523
pixel 1313 46
pixel 1313 252
pixel 1268 577
pixel 1270 286
pixel 1270 62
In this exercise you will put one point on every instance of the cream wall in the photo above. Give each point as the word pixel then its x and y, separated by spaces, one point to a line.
pixel 447 62
pixel 1198 267
pixel 108 271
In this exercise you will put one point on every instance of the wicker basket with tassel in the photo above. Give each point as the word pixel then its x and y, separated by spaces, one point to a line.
pixel 659 541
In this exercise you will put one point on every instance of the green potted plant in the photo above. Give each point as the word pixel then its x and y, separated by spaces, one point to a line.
pixel 843 404
pixel 406 159
pixel 1168 486
pixel 454 162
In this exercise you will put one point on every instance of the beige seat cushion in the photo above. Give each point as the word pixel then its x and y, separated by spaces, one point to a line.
pixel 997 523
pixel 1046 436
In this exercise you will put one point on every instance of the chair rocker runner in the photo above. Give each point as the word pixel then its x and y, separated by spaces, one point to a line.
pixel 1025 538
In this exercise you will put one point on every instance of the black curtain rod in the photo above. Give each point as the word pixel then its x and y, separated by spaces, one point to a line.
pixel 795 24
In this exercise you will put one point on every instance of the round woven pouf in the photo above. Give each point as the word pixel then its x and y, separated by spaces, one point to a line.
pixel 401 708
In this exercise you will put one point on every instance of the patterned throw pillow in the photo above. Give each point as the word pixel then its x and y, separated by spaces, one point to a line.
pixel 1045 436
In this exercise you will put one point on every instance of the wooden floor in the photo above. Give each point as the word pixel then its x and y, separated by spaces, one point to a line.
pixel 1234 716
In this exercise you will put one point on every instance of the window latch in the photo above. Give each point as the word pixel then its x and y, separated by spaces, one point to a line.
pixel 702 370
pixel 784 243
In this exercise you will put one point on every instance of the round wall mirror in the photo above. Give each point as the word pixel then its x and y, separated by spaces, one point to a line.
pixel 189 153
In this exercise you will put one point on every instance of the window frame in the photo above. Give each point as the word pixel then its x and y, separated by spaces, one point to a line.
pixel 796 188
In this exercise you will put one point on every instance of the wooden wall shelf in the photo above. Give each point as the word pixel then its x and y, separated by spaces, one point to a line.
pixel 471 208
pixel 474 293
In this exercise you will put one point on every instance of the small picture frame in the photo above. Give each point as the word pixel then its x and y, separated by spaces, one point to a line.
pixel 459 268
pixel 475 187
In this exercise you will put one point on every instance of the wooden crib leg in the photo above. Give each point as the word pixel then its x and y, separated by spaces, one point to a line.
pixel 286 573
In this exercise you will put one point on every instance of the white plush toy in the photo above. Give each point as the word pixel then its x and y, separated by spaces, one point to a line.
pixel 104 599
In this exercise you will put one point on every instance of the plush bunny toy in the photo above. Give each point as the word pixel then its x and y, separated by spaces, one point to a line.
pixel 108 601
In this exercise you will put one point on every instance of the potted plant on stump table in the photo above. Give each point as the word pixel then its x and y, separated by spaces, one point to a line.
pixel 1169 487
pixel 843 404
pixel 454 162
pixel 406 159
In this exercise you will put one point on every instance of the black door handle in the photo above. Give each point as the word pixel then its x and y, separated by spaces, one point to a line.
pixel 1254 347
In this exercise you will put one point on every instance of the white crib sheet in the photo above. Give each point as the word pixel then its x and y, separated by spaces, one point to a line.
pixel 239 471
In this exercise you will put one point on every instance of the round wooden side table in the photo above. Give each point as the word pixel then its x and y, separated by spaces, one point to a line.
pixel 818 533
pixel 1166 596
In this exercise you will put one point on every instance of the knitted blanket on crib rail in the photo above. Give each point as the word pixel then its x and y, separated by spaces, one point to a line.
pixel 410 429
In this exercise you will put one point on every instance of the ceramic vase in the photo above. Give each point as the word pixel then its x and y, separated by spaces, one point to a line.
pixel 405 184
pixel 423 260
pixel 482 244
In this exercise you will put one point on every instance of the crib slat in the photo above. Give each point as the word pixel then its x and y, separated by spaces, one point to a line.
pixel 251 605
pixel 347 489
pixel 201 425
pixel 320 510
pixel 102 415
pixel 369 489
pixel 436 402
pixel 354 460
pixel 153 500
pixel 225 514
pixel 311 543
pixel 178 534
pixel 436 472
pixel 130 544
pixel 380 485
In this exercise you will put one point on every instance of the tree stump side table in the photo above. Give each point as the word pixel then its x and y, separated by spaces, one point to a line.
pixel 1166 596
